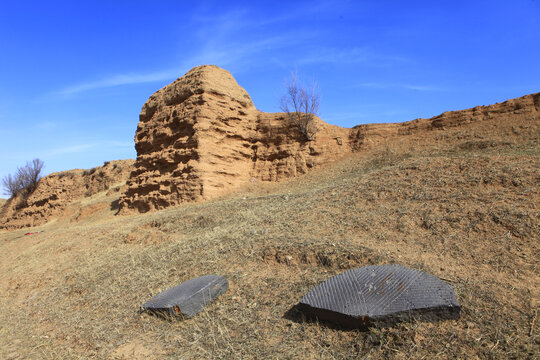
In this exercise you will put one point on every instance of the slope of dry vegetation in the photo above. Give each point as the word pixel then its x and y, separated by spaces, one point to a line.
pixel 460 204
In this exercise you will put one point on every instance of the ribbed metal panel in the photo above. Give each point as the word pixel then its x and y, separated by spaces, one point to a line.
pixel 381 295
pixel 188 298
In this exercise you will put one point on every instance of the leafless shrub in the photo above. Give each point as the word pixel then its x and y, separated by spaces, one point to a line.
pixel 11 185
pixel 89 171
pixel 25 179
pixel 301 104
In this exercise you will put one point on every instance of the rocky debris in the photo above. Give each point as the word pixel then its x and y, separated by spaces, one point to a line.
pixel 188 298
pixel 380 295
pixel 57 190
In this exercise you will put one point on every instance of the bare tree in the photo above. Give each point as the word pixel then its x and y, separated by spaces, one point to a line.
pixel 25 179
pixel 301 104
pixel 12 185
pixel 31 174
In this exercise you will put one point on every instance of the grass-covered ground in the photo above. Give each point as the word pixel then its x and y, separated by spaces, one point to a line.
pixel 466 211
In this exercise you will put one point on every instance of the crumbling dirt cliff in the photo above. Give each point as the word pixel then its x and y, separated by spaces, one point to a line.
pixel 57 190
pixel 500 122
pixel 202 136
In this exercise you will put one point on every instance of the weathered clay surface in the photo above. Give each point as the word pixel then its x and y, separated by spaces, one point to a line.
pixel 57 190
pixel 525 109
pixel 201 137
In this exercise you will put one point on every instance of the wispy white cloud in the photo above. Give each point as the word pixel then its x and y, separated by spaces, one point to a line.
pixel 117 80
pixel 320 54
pixel 238 55
pixel 224 53
pixel 234 40
pixel 70 149
pixel 74 149
pixel 417 87
pixel 421 87
pixel 218 44
pixel 226 39
pixel 120 144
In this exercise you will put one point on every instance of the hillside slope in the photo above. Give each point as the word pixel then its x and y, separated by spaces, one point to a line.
pixel 459 201
pixel 57 194
pixel 201 137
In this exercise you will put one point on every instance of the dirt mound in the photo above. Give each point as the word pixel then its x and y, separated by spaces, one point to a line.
pixel 201 137
pixel 56 191
pixel 507 120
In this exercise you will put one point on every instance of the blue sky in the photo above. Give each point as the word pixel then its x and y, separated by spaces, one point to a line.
pixel 75 74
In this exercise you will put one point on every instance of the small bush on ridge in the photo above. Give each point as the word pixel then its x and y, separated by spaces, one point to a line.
pixel 25 180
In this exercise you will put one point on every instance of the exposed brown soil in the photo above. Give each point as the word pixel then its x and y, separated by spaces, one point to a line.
pixel 56 192
pixel 456 196
pixel 202 137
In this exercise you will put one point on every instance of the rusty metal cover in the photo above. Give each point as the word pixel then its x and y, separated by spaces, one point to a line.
pixel 380 295
pixel 188 298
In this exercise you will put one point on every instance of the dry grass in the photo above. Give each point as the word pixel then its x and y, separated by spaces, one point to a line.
pixel 465 212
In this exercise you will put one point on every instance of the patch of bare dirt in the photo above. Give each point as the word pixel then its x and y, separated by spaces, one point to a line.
pixel 137 349
pixel 334 256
